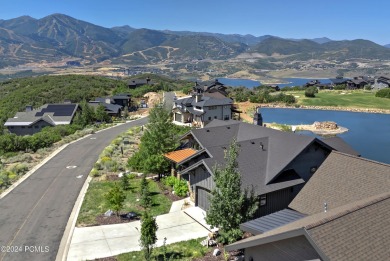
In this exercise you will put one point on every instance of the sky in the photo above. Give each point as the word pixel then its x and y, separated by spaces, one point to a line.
pixel 337 20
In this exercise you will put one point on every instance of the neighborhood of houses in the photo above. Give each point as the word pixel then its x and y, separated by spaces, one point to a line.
pixel 318 199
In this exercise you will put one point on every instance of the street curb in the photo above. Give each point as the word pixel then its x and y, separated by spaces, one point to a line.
pixel 63 249
pixel 30 172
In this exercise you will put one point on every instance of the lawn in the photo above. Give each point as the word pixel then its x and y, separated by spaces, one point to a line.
pixel 185 250
pixel 95 203
pixel 343 98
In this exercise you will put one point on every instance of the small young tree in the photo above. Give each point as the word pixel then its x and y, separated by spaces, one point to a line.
pixel 101 114
pixel 148 234
pixel 115 198
pixel 125 181
pixel 146 199
pixel 229 205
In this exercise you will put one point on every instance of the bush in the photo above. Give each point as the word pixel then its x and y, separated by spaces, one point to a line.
pixel 384 93
pixel 311 91
pixel 180 188
pixel 95 173
pixel 179 185
pixel 169 181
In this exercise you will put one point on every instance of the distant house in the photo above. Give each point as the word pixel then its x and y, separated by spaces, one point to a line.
pixel 214 89
pixel 112 110
pixel 132 84
pixel 381 83
pixel 340 214
pixel 199 109
pixel 356 84
pixel 339 81
pixel 122 99
pixel 33 120
pixel 276 163
pixel 275 87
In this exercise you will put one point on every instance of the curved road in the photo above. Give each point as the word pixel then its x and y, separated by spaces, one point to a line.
pixel 34 215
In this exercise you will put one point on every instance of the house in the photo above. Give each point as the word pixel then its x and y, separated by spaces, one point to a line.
pixel 33 120
pixel 214 89
pixel 134 83
pixel 339 81
pixel 277 164
pixel 356 84
pixel 199 109
pixel 112 110
pixel 357 231
pixel 381 83
pixel 122 99
pixel 340 214
pixel 275 87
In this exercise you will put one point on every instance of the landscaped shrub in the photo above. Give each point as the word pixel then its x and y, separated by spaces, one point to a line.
pixel 95 173
pixel 169 181
pixel 384 93
pixel 19 169
pixel 181 187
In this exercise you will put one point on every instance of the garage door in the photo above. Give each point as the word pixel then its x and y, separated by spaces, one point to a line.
pixel 202 198
pixel 178 117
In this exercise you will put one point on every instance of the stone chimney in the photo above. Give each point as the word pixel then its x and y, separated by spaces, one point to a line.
pixel 257 118
pixel 198 97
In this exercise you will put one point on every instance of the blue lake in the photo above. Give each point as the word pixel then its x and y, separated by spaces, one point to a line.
pixel 369 133
pixel 251 83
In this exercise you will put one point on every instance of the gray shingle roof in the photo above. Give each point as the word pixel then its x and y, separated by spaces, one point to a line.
pixel 54 114
pixel 342 179
pixel 258 165
pixel 112 108
pixel 356 231
pixel 340 145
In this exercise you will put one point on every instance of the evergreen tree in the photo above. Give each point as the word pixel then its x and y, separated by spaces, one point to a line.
pixel 146 197
pixel 115 198
pixel 148 234
pixel 101 114
pixel 159 138
pixel 125 181
pixel 87 113
pixel 229 205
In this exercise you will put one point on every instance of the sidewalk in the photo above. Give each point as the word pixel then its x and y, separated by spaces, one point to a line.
pixel 110 240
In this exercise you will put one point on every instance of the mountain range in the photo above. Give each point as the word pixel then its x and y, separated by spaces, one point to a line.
pixel 57 37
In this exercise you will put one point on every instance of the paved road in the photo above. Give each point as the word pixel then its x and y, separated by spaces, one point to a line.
pixel 34 215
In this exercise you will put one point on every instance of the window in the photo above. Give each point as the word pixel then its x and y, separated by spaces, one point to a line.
pixel 215 117
pixel 263 200
pixel 226 117
pixel 209 118
pixel 36 126
pixel 23 127
pixel 198 107
pixel 11 127
pixel 212 107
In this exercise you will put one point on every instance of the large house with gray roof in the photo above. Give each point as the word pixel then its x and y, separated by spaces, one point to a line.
pixel 277 164
pixel 340 214
pixel 33 120
pixel 198 110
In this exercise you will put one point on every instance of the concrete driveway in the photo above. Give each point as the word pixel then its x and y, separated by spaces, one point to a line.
pixel 110 240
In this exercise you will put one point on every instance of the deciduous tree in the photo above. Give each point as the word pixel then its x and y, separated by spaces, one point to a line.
pixel 230 205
